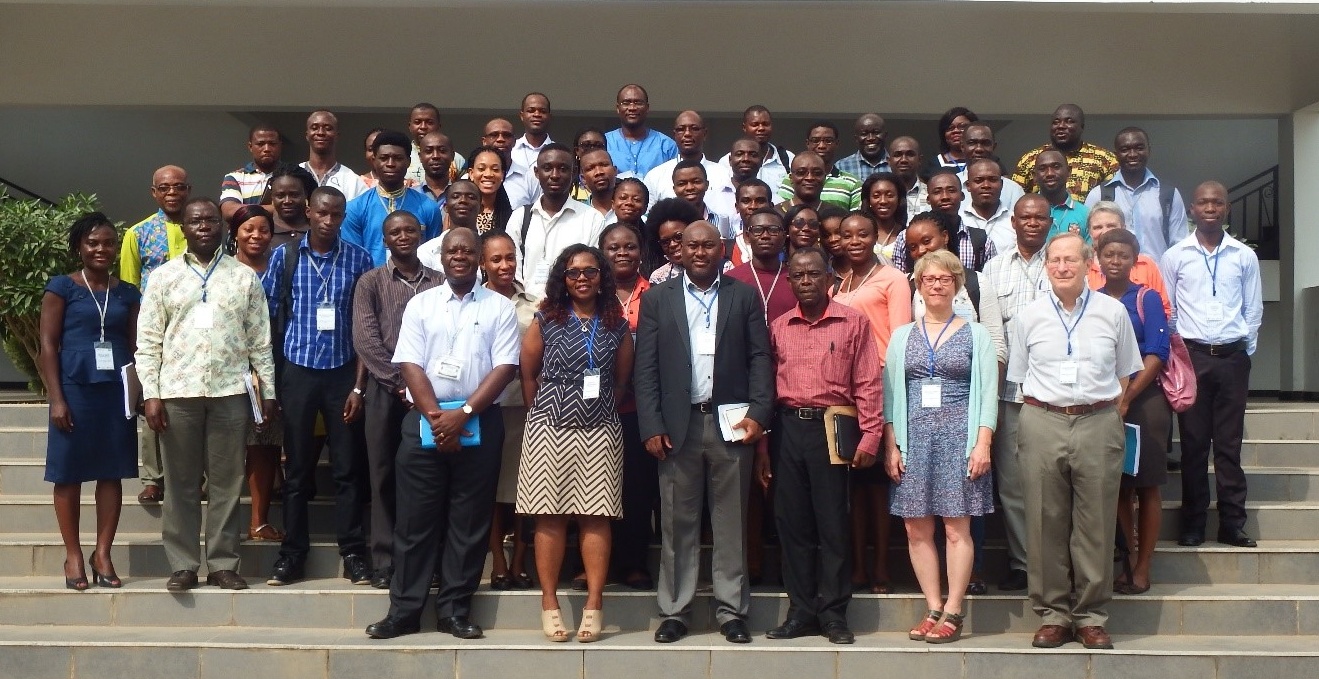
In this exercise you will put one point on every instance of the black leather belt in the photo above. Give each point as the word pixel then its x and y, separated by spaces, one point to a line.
pixel 802 413
pixel 704 407
pixel 1216 349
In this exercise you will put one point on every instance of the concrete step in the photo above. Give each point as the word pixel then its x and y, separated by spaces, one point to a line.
pixel 223 653
pixel 34 514
pixel 1243 610
pixel 26 476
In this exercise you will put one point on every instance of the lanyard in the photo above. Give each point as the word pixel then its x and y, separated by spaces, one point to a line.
pixel 627 306
pixel 205 277
pixel 926 334
pixel 99 309
pixel 707 306
pixel 761 288
pixel 325 282
pixel 456 329
pixel 1213 271
pixel 1070 330
pixel 590 343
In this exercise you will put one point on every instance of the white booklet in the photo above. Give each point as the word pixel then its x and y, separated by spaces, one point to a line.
pixel 730 414
pixel 132 390
pixel 253 385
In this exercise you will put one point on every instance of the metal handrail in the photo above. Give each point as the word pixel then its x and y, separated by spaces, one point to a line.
pixel 1255 212
pixel 6 183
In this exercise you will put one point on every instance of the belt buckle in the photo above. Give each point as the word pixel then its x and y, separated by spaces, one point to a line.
pixel 1072 410
pixel 805 413
pixel 1213 349
pixel 704 408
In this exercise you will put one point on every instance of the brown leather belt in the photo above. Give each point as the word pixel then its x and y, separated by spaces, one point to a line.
pixel 1069 410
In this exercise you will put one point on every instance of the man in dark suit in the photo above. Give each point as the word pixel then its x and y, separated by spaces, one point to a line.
pixel 701 344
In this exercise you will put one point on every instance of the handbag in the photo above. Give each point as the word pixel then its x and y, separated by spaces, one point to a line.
pixel 1178 376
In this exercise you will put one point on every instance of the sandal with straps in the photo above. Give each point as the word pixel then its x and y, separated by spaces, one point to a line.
pixel 551 622
pixel 918 632
pixel 950 621
pixel 592 621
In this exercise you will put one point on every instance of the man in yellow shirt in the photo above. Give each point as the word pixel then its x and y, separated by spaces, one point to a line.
pixel 148 244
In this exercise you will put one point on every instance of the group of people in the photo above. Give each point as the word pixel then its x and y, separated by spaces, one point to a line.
pixel 625 335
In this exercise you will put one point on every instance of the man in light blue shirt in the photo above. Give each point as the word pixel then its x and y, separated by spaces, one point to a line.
pixel 364 217
pixel 635 148
pixel 1217 302
pixel 1155 212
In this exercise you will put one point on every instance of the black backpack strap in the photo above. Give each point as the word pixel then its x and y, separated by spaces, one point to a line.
pixel 973 290
pixel 979 238
pixel 1107 192
pixel 783 156
pixel 526 226
pixel 1166 193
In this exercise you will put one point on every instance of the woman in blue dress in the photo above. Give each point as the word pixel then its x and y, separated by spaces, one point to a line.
pixel 88 333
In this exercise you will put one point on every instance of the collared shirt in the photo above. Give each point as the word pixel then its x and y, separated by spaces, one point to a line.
pixel 1090 165
pixel 177 359
pixel 524 155
pixel 382 294
pixel 772 168
pixel 369 181
pixel 339 177
pixel 1018 282
pixel 669 271
pixel 416 175
pixel 1144 272
pixel 1152 330
pixel 148 244
pixel 1008 195
pixel 840 188
pixel 1102 346
pixel 1071 215
pixel 998 225
pixel 659 182
pixel 775 290
pixel 364 220
pixel 1144 213
pixel 548 235
pixel 918 199
pixel 246 185
pixel 884 297
pixel 521 186
pixel 479 330
pixel 319 281
pixel 831 362
pixel 966 251
pixel 702 318
pixel 636 158
pixel 439 198
pixel 858 166
pixel 1217 297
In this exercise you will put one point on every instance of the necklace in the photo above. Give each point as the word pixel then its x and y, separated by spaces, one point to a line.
pixel 851 277
pixel 390 198
pixel 627 304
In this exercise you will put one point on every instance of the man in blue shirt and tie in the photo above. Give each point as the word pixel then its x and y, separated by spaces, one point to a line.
pixel 635 148
pixel 364 217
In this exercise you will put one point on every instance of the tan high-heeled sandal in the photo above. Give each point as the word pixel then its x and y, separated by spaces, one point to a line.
pixel 551 622
pixel 592 621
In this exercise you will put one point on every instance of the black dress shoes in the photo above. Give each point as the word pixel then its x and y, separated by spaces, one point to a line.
pixel 181 581
pixel 1014 582
pixel 356 569
pixel 1191 539
pixel 791 629
pixel 1236 538
pixel 287 570
pixel 670 631
pixel 837 633
pixel 391 627
pixel 382 578
pixel 735 631
pixel 460 627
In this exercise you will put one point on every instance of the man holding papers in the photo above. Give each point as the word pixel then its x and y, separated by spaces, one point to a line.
pixel 457 349
pixel 810 489
pixel 702 344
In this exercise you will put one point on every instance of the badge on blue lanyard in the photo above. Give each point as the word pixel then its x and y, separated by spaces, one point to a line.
pixel 591 378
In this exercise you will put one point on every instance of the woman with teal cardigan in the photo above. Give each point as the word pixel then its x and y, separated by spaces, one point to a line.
pixel 940 409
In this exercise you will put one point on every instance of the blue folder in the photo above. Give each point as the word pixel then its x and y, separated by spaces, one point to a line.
pixel 473 426
pixel 1131 462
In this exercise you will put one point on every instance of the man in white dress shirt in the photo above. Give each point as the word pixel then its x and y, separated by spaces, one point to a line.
pixel 758 124
pixel 544 228
pixel 535 117
pixel 323 164
pixel 689 131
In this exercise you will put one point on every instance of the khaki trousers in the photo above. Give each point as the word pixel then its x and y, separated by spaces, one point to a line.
pixel 1071 467
pixel 204 436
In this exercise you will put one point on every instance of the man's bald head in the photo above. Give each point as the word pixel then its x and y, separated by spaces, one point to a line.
pixel 171 173
pixel 699 230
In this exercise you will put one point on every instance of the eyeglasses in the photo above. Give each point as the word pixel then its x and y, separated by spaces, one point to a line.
pixel 822 140
pixel 937 280
pixel 672 240
pixel 590 273
pixel 802 223
pixel 205 221
pixel 762 230
pixel 171 188
pixel 585 146
pixel 632 103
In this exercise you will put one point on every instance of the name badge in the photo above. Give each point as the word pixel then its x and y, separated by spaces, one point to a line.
pixel 449 368
pixel 324 318
pixel 542 273
pixel 591 385
pixel 203 317
pixel 1215 312
pixel 1067 372
pixel 932 392
pixel 104 355
pixel 705 343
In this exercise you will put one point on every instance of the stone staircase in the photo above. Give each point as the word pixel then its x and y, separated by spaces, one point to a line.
pixel 1214 613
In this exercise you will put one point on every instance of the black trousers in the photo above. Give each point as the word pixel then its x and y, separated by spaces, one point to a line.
pixel 812 514
pixel 1217 419
pixel 633 533
pixel 304 392
pixel 384 426
pixel 445 504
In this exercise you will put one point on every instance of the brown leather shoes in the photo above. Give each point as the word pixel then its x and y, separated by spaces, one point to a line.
pixel 226 580
pixel 151 495
pixel 1052 636
pixel 1093 636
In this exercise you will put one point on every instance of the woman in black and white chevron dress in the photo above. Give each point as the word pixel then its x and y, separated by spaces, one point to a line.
pixel 576 358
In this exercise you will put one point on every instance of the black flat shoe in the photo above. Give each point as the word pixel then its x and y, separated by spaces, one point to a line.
pixel 391 627
pixel 460 627
pixel 522 581
pixel 578 584
pixel 1236 538
pixel 837 633
pixel 791 629
pixel 735 631
pixel 500 583
pixel 670 631
pixel 1191 540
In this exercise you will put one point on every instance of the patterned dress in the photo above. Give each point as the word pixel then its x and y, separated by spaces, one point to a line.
pixel 572 453
pixel 935 483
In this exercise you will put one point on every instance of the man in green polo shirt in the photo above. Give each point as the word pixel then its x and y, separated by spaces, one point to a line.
pixel 840 188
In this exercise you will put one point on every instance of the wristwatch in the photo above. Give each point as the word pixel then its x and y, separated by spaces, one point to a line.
pixel 359 392
pixel 467 409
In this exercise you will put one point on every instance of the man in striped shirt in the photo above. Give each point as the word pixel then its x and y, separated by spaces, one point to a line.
pixel 247 184
pixel 840 188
